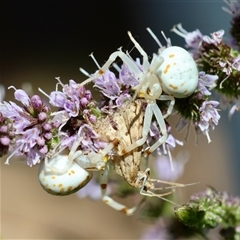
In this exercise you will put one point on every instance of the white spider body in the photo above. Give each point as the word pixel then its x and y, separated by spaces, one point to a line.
pixel 178 73
pixel 66 172
pixel 65 183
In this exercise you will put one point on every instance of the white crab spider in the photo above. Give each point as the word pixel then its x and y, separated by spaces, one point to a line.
pixel 173 71
pixel 68 171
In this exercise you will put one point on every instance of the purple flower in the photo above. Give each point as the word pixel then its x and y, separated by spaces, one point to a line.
pixel 72 101
pixel 234 108
pixel 216 38
pixel 33 128
pixel 7 134
pixel 127 78
pixel 193 39
pixel 108 85
pixel 26 145
pixel 208 117
pixel 89 140
pixel 206 80
pixel 21 96
pixel 12 111
pixel 236 63
pixel 170 143
pixel 5 140
pixel 226 67
pixel 57 98
pixel 123 98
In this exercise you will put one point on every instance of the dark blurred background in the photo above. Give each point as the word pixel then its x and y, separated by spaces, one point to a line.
pixel 41 40
pixel 54 38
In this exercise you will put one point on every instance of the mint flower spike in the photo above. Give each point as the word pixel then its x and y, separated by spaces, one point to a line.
pixel 74 102
pixel 193 39
pixel 27 129
pixel 219 58
pixel 216 57
pixel 210 208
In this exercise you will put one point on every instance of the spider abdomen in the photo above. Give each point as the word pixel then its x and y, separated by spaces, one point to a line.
pixel 66 183
pixel 178 73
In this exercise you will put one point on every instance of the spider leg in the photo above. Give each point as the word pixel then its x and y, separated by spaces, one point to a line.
pixel 171 105
pixel 141 51
pixel 149 76
pixel 144 190
pixel 144 177
pixel 100 158
pixel 163 129
pixel 72 155
pixel 111 202
pixel 146 127
pixel 173 185
pixel 125 58
pixel 148 69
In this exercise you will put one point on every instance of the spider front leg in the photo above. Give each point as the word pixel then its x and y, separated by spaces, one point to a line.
pixel 146 127
pixel 109 201
pixel 161 122
pixel 151 109
pixel 125 58
pixel 163 129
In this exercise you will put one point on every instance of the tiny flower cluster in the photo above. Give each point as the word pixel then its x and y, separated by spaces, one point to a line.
pixel 210 208
pixel 31 129
pixel 7 134
pixel 217 57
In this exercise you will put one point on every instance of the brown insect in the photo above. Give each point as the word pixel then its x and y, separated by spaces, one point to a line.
pixel 124 127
